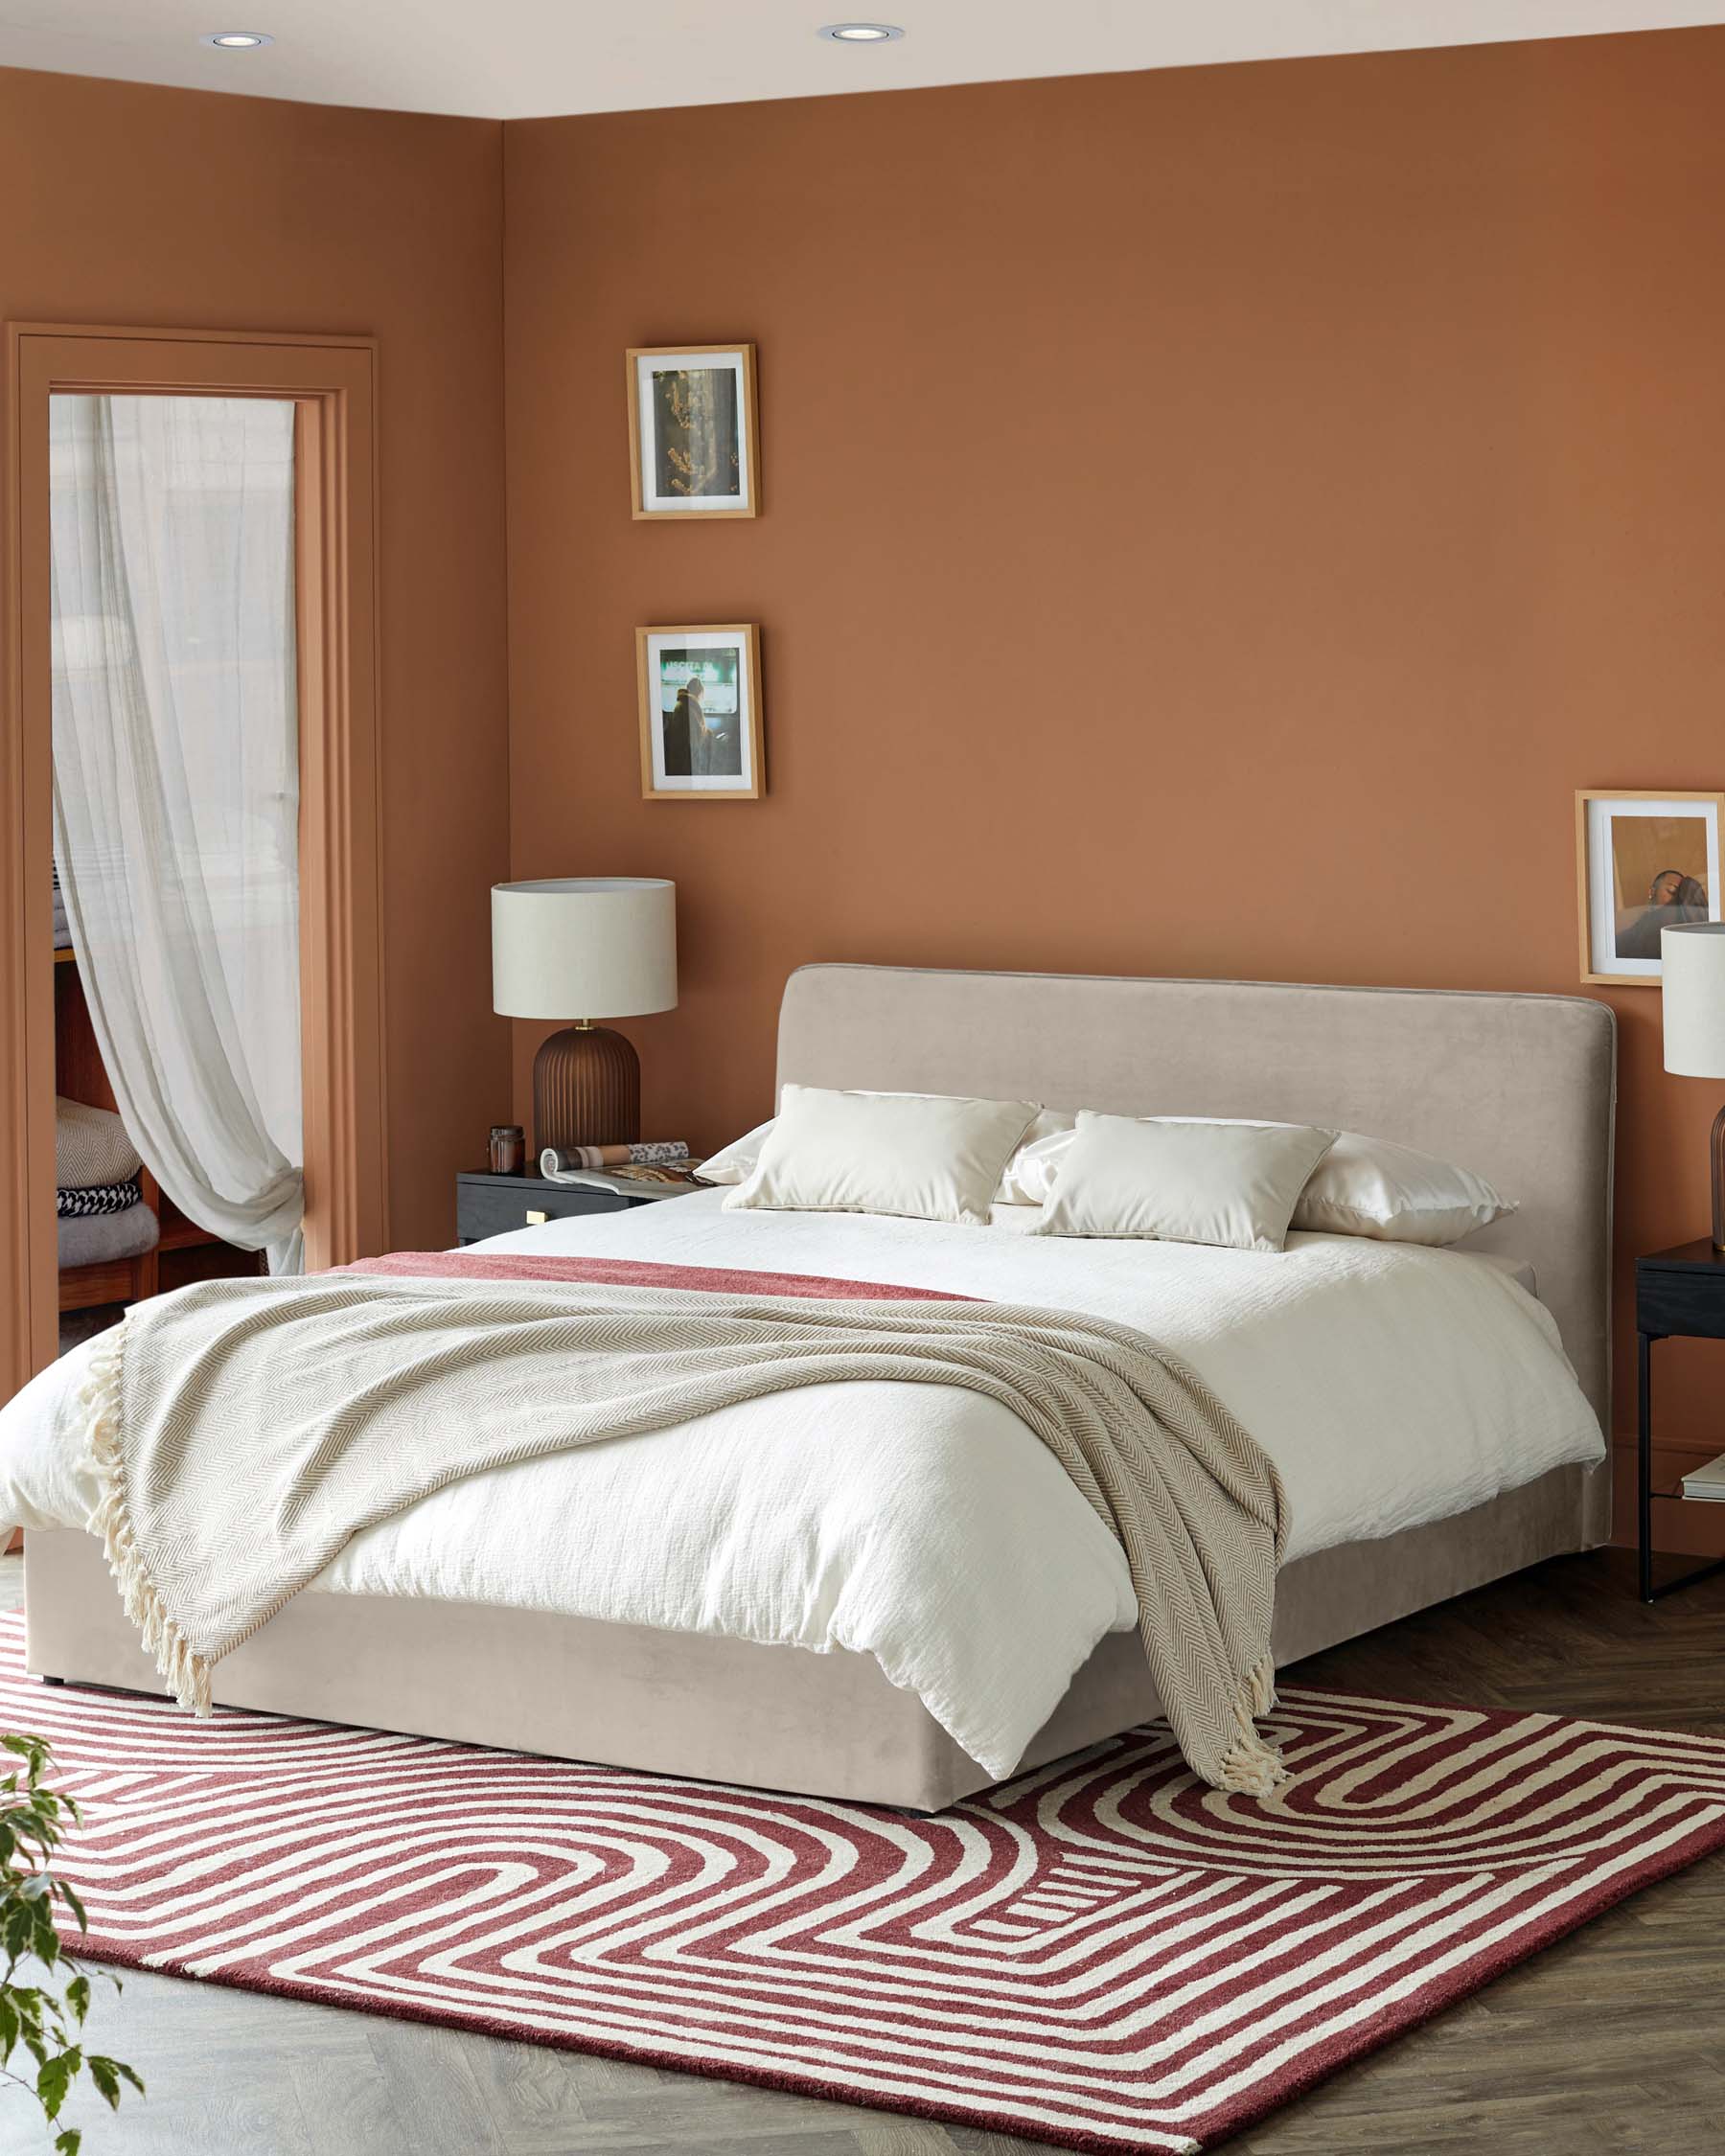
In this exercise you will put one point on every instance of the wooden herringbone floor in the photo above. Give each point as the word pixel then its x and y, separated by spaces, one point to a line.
pixel 1613 2040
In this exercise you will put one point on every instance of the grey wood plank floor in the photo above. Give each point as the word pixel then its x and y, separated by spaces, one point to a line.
pixel 1613 2040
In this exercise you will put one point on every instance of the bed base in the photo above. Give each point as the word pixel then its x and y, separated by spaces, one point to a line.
pixel 730 1710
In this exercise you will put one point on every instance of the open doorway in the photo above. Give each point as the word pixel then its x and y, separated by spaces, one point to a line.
pixel 175 752
pixel 246 873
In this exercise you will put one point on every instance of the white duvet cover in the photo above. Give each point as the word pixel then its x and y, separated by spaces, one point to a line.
pixel 923 1524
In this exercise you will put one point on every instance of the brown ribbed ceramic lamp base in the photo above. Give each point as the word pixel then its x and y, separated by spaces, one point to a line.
pixel 1716 1152
pixel 586 1089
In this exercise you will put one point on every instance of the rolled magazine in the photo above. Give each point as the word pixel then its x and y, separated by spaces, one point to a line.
pixel 653 1153
pixel 655 1170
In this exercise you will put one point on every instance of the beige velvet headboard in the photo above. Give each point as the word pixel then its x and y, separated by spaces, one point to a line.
pixel 1521 1087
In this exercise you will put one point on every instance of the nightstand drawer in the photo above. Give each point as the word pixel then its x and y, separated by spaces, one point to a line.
pixel 1688 1303
pixel 497 1205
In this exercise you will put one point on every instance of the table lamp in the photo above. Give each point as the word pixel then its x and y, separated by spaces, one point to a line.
pixel 1694 956
pixel 605 947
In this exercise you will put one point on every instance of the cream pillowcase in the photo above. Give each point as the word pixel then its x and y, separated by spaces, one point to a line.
pixel 1027 1181
pixel 917 1156
pixel 1395 1194
pixel 737 1162
pixel 1361 1186
pixel 1235 1184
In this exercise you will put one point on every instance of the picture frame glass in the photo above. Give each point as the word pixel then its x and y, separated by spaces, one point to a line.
pixel 1651 865
pixel 692 411
pixel 701 721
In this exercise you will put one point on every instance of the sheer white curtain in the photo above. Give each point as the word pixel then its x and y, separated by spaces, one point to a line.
pixel 176 789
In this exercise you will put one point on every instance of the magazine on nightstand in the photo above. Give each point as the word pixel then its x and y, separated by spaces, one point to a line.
pixel 668 1177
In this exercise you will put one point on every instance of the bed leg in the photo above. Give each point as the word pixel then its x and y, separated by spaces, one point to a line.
pixel 53 1679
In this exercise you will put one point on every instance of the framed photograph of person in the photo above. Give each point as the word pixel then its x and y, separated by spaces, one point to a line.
pixel 693 436
pixel 1643 862
pixel 701 713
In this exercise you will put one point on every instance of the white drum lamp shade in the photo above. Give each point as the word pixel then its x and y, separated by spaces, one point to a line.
pixel 1692 965
pixel 1693 968
pixel 583 948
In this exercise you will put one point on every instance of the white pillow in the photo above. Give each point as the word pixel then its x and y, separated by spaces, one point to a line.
pixel 1031 1171
pixel 1393 1194
pixel 1235 1184
pixel 918 1156
pixel 1361 1186
pixel 736 1162
pixel 1026 1181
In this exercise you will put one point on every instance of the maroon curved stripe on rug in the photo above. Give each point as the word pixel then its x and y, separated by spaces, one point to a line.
pixel 1105 1954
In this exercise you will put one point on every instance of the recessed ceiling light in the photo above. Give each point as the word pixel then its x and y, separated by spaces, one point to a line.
pixel 862 33
pixel 236 40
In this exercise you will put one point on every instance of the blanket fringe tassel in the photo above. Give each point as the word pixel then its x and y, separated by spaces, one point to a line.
pixel 186 1671
pixel 1250 1765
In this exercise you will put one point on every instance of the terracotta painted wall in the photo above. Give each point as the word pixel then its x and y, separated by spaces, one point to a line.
pixel 1213 521
pixel 181 209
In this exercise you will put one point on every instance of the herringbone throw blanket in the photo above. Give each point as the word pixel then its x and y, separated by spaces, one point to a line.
pixel 242 1431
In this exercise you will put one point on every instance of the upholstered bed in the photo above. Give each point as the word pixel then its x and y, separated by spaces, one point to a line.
pixel 1519 1088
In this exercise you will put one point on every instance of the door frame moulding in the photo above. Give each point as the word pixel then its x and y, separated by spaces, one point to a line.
pixel 333 384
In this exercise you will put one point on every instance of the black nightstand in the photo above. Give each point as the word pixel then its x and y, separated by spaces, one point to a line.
pixel 492 1205
pixel 1679 1295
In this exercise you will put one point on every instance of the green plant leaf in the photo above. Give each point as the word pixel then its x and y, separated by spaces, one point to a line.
pixel 107 2074
pixel 44 2022
pixel 44 1938
pixel 16 1928
pixel 55 2079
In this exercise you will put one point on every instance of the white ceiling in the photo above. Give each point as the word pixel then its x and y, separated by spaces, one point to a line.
pixel 521 58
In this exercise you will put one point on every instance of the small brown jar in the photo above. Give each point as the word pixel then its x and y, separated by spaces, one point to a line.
pixel 508 1149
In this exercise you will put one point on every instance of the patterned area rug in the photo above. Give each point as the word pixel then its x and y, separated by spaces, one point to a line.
pixel 1104 1954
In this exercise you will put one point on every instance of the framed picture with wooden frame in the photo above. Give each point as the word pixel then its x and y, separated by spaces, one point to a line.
pixel 693 437
pixel 701 713
pixel 1645 860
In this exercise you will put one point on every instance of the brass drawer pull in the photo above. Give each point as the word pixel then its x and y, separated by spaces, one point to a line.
pixel 538 1220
